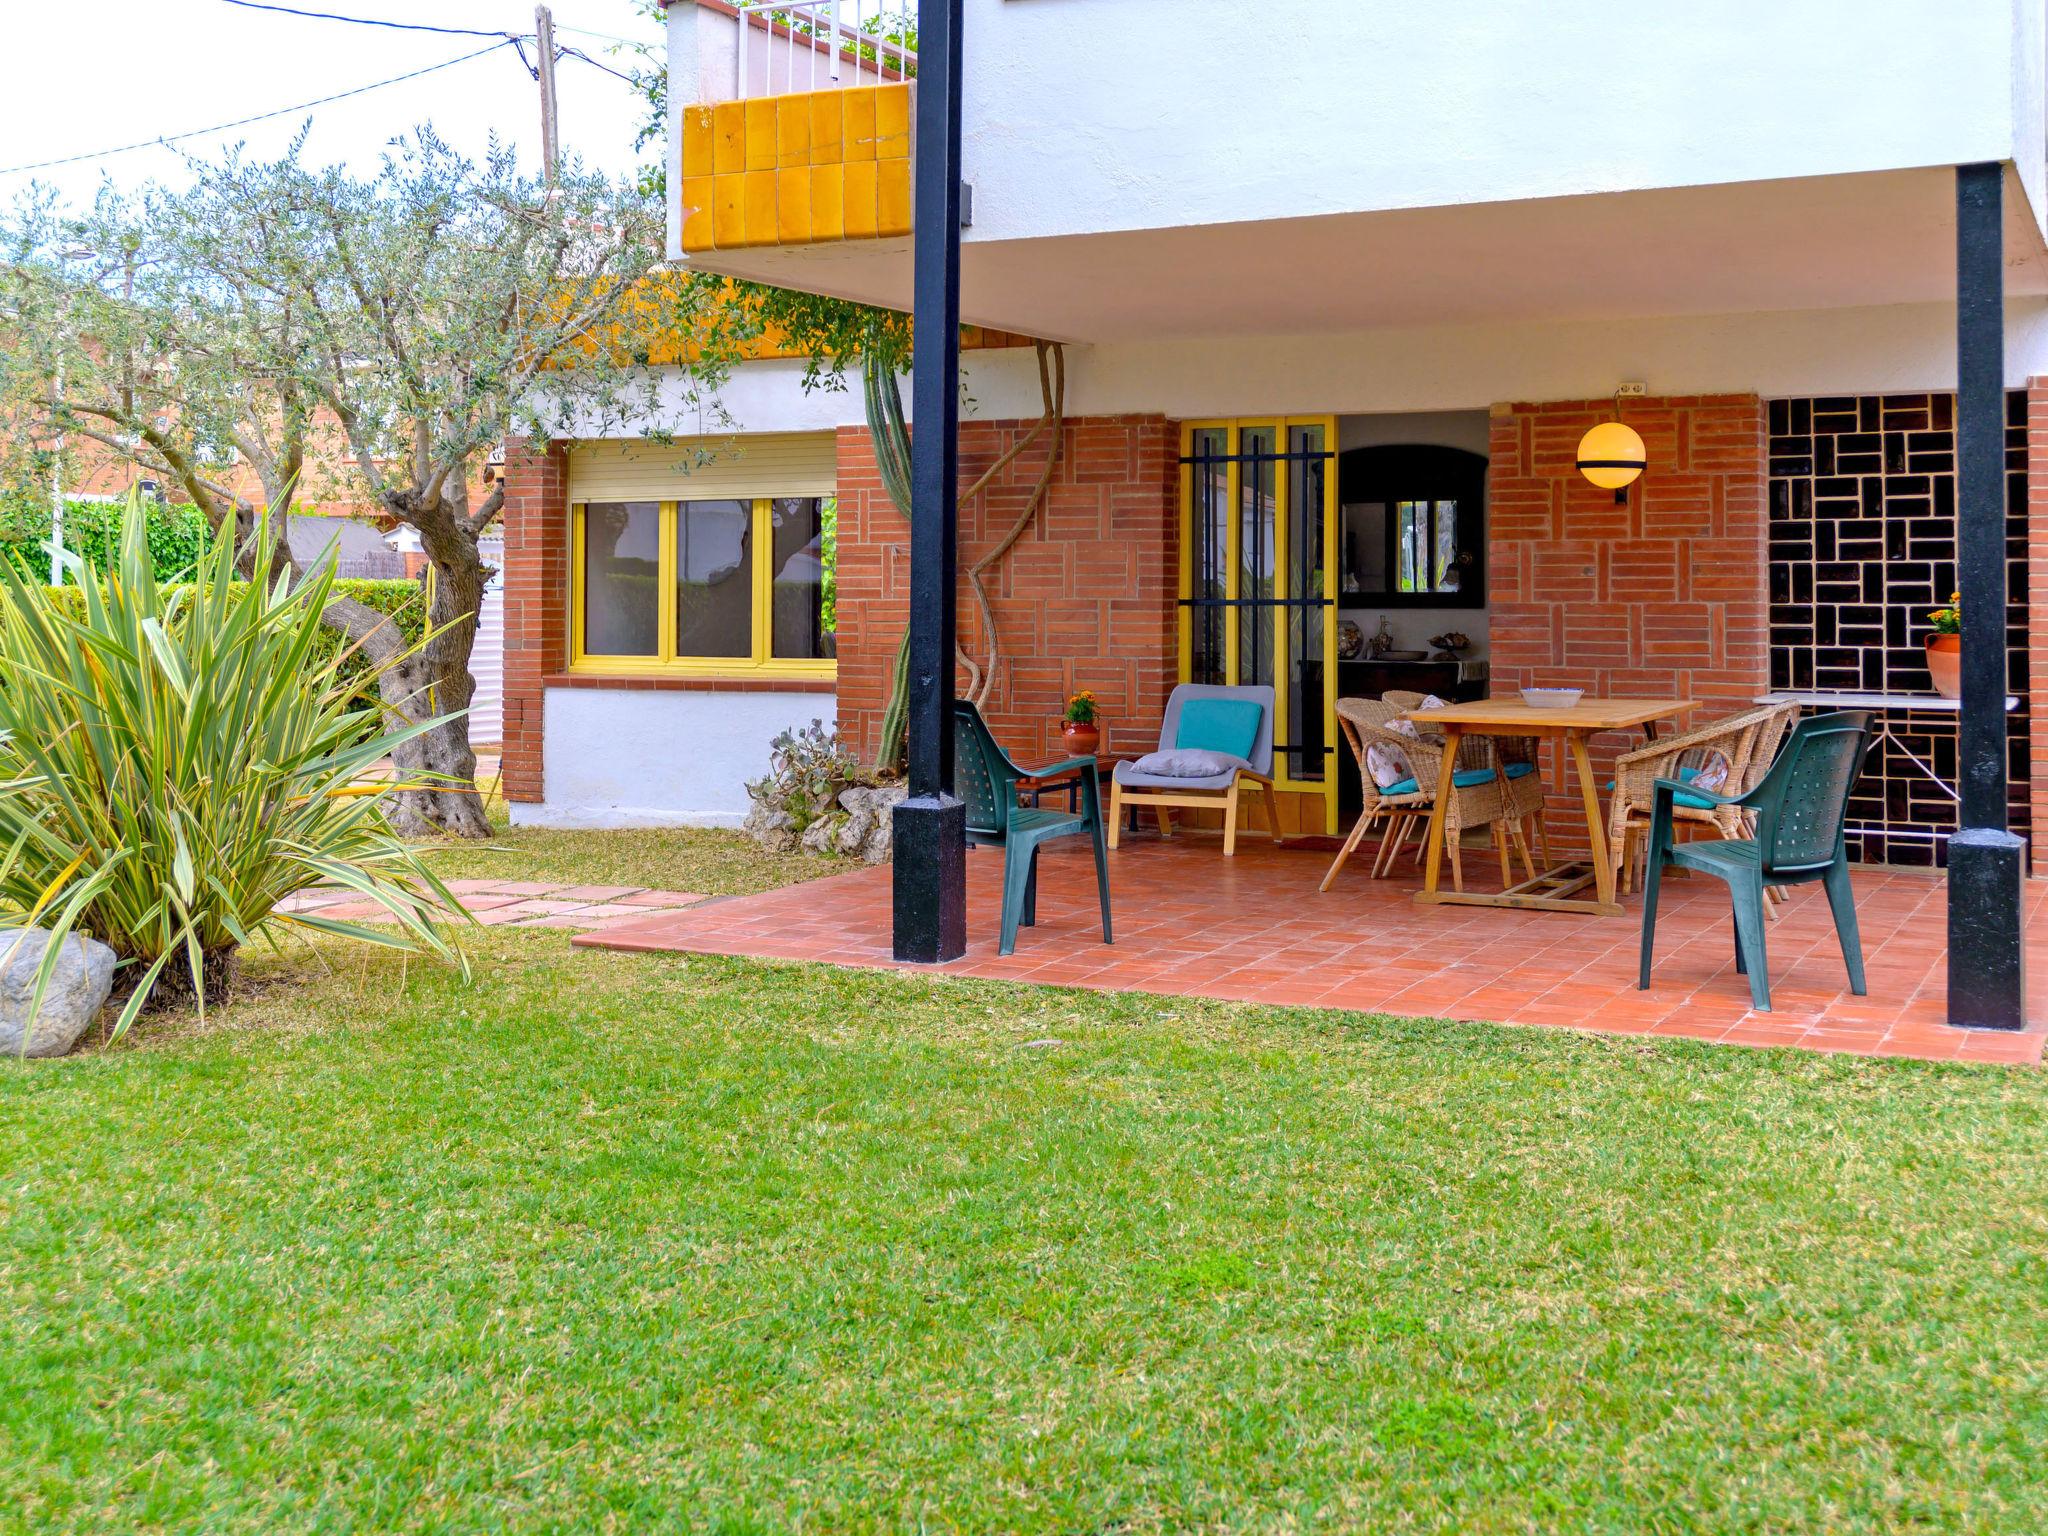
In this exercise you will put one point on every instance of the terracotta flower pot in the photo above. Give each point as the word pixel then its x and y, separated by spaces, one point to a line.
pixel 1945 664
pixel 1080 739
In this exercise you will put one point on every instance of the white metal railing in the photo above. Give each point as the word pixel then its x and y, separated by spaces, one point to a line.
pixel 787 46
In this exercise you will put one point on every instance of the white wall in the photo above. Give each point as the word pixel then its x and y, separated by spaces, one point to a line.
pixel 646 758
pixel 1092 115
pixel 2029 150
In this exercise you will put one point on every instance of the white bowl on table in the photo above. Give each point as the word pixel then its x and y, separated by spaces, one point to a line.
pixel 1552 698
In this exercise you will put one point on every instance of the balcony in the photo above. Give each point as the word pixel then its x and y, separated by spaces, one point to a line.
pixel 809 140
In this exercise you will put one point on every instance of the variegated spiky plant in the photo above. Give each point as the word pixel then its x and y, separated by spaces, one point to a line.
pixel 177 761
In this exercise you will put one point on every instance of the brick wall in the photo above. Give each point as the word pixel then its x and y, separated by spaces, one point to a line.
pixel 1664 596
pixel 536 519
pixel 1085 600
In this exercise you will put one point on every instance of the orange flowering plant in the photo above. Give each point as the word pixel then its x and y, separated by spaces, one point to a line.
pixel 1949 620
pixel 1081 708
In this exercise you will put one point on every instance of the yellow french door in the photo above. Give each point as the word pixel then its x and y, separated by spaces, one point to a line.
pixel 1258 540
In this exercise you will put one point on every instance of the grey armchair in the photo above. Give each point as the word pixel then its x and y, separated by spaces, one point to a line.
pixel 1166 793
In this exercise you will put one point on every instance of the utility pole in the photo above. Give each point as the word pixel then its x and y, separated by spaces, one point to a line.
pixel 550 124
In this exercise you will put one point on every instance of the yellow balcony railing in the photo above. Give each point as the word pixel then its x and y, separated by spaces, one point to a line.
pixel 797 169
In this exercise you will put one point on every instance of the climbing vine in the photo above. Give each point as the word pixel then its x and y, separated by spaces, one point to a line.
pixel 891 435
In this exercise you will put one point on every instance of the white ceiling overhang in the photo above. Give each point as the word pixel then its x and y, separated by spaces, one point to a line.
pixel 1807 243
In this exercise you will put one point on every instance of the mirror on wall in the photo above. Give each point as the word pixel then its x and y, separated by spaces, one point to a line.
pixel 1412 529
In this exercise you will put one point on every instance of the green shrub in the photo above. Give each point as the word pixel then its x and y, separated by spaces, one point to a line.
pixel 404 601
pixel 808 770
pixel 92 531
pixel 176 761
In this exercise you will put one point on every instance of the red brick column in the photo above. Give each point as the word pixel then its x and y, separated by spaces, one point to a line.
pixel 1664 596
pixel 2037 619
pixel 536 519
pixel 1085 600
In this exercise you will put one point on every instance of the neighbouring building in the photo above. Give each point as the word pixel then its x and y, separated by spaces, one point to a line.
pixel 1339 289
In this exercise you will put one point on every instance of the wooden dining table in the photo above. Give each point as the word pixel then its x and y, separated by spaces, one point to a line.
pixel 1560 889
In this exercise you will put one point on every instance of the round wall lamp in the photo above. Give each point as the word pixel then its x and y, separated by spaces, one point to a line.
pixel 1611 456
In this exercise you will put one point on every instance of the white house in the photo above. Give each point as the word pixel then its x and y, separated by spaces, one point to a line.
pixel 1337 289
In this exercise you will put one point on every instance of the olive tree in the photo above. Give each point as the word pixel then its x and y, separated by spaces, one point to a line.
pixel 371 335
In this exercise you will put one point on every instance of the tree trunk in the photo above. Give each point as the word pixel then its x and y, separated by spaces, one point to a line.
pixel 436 681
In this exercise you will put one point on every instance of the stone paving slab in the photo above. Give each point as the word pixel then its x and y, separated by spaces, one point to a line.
pixel 515 903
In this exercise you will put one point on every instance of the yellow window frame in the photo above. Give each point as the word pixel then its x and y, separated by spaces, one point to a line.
pixel 1282 427
pixel 759 663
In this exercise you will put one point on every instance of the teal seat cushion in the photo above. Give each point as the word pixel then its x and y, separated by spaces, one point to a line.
pixel 1520 770
pixel 1464 778
pixel 1219 725
pixel 1690 802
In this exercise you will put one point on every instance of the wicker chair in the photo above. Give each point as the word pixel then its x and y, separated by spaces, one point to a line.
pixel 1521 768
pixel 1746 742
pixel 1366 724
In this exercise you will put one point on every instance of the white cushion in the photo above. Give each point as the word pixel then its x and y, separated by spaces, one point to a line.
pixel 1388 765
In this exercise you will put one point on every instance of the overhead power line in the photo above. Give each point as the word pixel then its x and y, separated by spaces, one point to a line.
pixel 603 37
pixel 366 21
pixel 243 122
pixel 414 26
pixel 578 53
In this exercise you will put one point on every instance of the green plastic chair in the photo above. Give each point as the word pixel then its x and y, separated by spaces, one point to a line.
pixel 1801 808
pixel 986 780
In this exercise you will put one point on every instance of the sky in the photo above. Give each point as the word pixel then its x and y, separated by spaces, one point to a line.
pixel 90 75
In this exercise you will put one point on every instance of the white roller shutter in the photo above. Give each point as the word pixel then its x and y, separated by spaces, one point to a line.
pixel 706 468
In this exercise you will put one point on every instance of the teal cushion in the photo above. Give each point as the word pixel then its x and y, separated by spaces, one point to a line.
pixel 1220 725
pixel 1464 778
pixel 1520 770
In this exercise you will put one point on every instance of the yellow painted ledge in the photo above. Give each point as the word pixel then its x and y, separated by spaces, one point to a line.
pixel 798 169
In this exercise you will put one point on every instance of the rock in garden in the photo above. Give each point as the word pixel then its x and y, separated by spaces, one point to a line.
pixel 79 985
pixel 771 826
pixel 870 820
pixel 822 835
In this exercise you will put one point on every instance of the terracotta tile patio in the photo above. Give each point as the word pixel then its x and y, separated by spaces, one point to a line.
pixel 1254 928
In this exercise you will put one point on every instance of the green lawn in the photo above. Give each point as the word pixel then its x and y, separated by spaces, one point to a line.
pixel 609 1242
pixel 712 863
pixel 666 859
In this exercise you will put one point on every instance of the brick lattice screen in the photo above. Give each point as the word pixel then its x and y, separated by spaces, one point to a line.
pixel 2036 777
pixel 1086 600
pixel 1661 596
pixel 1862 546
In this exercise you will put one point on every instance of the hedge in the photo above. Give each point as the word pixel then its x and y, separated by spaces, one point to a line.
pixel 404 601
pixel 177 533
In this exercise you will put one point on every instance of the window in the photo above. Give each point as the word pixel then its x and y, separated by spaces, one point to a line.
pixel 1412 527
pixel 705 587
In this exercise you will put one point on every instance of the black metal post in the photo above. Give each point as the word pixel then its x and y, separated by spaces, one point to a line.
pixel 1986 965
pixel 930 828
